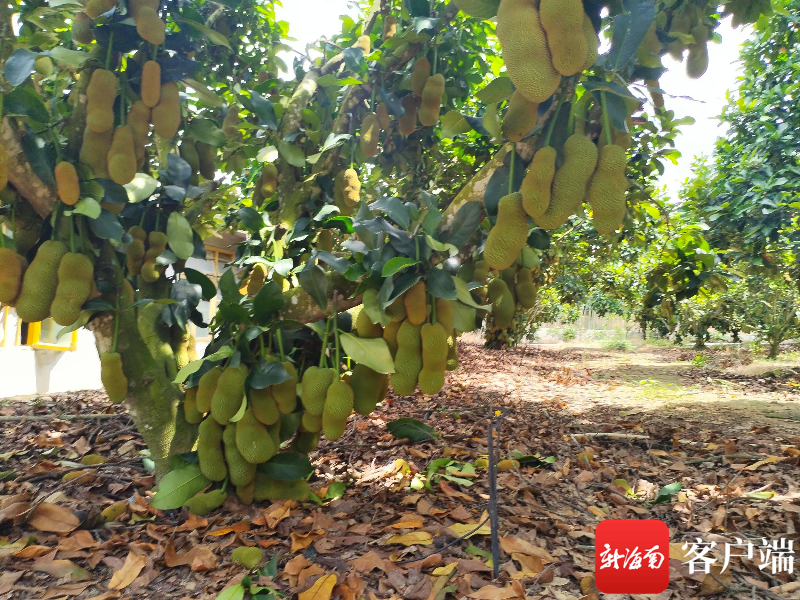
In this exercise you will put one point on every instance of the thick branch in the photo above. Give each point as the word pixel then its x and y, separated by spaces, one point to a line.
pixel 21 175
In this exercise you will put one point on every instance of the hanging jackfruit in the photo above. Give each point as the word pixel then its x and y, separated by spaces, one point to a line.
pixel 445 314
pixel 100 96
pixel 316 382
pixel 267 488
pixel 135 251
pixel 510 277
pixel 338 406
pixel 607 189
pixel 285 393
pixel 122 156
pixel 82 28
pixel 420 74
pixel 150 27
pixel 230 124
pixel 183 346
pixel 431 100
pixel 206 388
pixel 562 21
pixel 258 275
pixel 338 194
pixel 351 187
pixel 95 8
pixel 75 280
pixel 190 412
pixel 311 423
pixel 502 303
pixel 113 377
pixel 40 282
pixel 240 471
pixel 206 154
pixel 416 303
pixel 67 183
pixel 263 405
pixel 520 118
pixel 166 114
pixel 536 187
pixel 252 439
pixel 365 328
pixel 151 83
pixel 188 152
pixel 592 43
pixel 246 493
pixel 697 61
pixel 390 336
pixel 408 122
pixel 12 267
pixel 203 504
pixel 434 358
pixel 526 289
pixel 369 135
pixel 569 184
pixel 364 43
pixel 229 394
pixel 509 233
pixel 306 441
pixel 397 309
pixel 94 151
pixel 384 118
pixel 408 361
pixel 209 450
pixel 151 271
pixel 139 120
pixel 525 50
pixel 389 27
pixel 325 240
pixel 369 388
pixel 481 271
pixel 452 351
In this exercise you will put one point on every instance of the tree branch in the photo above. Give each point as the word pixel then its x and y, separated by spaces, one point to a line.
pixel 21 175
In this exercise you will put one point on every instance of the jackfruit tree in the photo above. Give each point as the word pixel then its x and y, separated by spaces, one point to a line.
pixel 395 186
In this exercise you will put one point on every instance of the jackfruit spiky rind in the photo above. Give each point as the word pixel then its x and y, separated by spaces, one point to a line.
pixel 257 277
pixel 151 83
pixel 351 187
pixel 408 361
pixel 306 441
pixel 526 289
pixel 122 156
pixel 520 118
pixel 229 393
pixel 592 44
pixel 113 377
pixel 190 412
pixel 607 189
pixel 267 488
pixel 240 471
pixel 246 493
pixel 562 21
pixel 94 151
pixel 311 423
pixel 431 100
pixel 40 282
pixel 416 303
pixel 481 272
pixel 445 314
pixel 389 27
pixel 420 74
pixel 365 328
pixel 338 406
pixel 434 358
pixel 75 281
pixel 536 187
pixel 203 504
pixel 316 382
pixel 369 137
pixel 100 95
pixel 12 267
pixel 209 450
pixel 265 409
pixel 525 50
pixel 285 393
pixel 207 154
pixel 384 118
pixel 149 26
pixel 502 303
pixel 509 234
pixel 408 122
pixel 390 336
pixel 166 114
pixel 397 309
pixel 206 388
pixel 67 183
pixel 367 386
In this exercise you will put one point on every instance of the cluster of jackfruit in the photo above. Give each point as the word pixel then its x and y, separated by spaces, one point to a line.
pixel 542 44
pixel 202 158
pixel 141 257
pixel 347 190
pixel 689 32
pixel 426 101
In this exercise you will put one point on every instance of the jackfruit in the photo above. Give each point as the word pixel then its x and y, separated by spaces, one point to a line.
pixel 40 282
pixel 67 183
pixel 536 187
pixel 316 382
pixel 445 314
pixel 389 27
pixel 452 351
pixel 202 504
pixel 397 309
pixel 481 271
pixel 510 277
pixel 351 187
pixel 525 50
pixel 325 240
pixel 420 75
pixel 267 488
pixel 311 423
pixel 416 303
pixel 384 118
pixel 151 271
pixel 592 43
pixel 369 135
pixel 520 118
pixel 207 155
pixel 95 8
pixel 150 27
pixel 190 412
pixel 526 289
pixel 306 441
pixel 206 389
pixel 257 276
pixel 75 279
pixel 166 114
pixel 431 100
pixel 246 493
pixel 365 328
pixel 562 21
pixel 113 377
pixel 12 267
pixel 230 124
pixel 155 335
pixel 100 96
pixel 390 336
pixel 285 393
pixel 607 189
pixel 263 404
pixel 364 43
pixel 502 303
pixel 183 347
pixel 94 151
pixel 228 396
pixel 408 361
pixel 408 122
pixel 367 386
pixel 82 28
pixel 269 179
pixel 509 234
pixel 122 156
pixel 151 83
pixel 43 65
pixel 249 558
pixel 434 358
pixel 209 450
pixel 338 406
pixel 139 121
pixel 697 61
pixel 240 471
pixel 569 184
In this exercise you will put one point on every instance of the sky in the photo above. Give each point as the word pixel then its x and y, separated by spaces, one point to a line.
pixel 311 19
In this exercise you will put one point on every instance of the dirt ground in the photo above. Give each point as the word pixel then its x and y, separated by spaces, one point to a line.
pixel 597 434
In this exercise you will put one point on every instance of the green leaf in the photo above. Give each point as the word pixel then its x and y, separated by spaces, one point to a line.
pixel 24 101
pixel 229 286
pixel 233 592
pixel 70 58
pixel 464 317
pixel 396 264
pixel 480 9
pixel 666 492
pixel 441 285
pixel 372 307
pixel 215 37
pixel 141 188
pixel 411 429
pixel 89 207
pixel 465 297
pixel 491 120
pixel 82 320
pixel 370 352
pixel 180 236
pixel 314 283
pixel 630 28
pixel 292 154
pixel 267 373
pixel 206 130
pixel 107 226
pixel 441 246
pixel 19 66
pixel 189 369
pixel 335 490
pixel 206 285
pixel 268 301
pixel 498 90
pixel 205 94
pixel 178 486
pixel 454 123
pixel 288 466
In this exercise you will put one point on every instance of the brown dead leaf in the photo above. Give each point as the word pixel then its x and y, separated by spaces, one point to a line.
pixel 68 589
pixel 8 579
pixel 351 588
pixel 106 596
pixel 54 518
pixel 710 585
pixel 321 590
pixel 240 527
pixel 295 565
pixel 14 510
pixel 422 538
pixel 275 514
pixel 460 514
pixel 369 562
pixel 193 522
pixel 767 461
pixel 408 522
pixel 80 540
pixel 32 552
pixel 199 558
pixel 301 541
pixel 454 493
pixel 134 563
pixel 490 592
pixel 61 569
pixel 511 544
pixel 531 565
pixel 462 529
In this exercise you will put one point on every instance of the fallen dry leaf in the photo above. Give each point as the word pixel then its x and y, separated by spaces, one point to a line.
pixel 14 510
pixel 369 562
pixel 301 541
pixel 710 585
pixel 61 569
pixel 422 538
pixel 408 522
pixel 8 579
pixel 240 527
pixel 490 592
pixel 134 563
pixel 68 589
pixel 460 529
pixel 53 518
pixel 511 544
pixel 199 558
pixel 33 552
pixel 105 596
pixel 321 590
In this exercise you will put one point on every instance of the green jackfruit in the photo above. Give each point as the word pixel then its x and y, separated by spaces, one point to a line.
pixel 206 389
pixel 526 289
pixel 190 412
pixel 135 256
pixel 246 493
pixel 257 277
pixel 166 114
pixel 311 423
pixel 230 124
pixel 502 303
pixel 316 382
pixel 416 303
pixel 151 271
pixel 562 21
pixel 365 328
pixel 12 267
pixel 536 187
pixel 207 155
pixel 397 309
pixel 122 156
pixel 420 74
pixel 520 118
pixel 156 337
pixel 510 277
pixel 95 8
pixel 351 187
pixel 408 361
pixel 150 27
pixel 389 27
pixel 240 471
pixel 434 358
pixel 202 504
pixel 592 43
pixel 306 441
pixel 338 406
pixel 338 195
pixel 481 271
pixel 268 488
pixel 100 95
pixel 525 50
pixel 209 450
pixel 384 118
pixel 67 183
pixel 40 282
pixel 75 281
pixel 94 151
pixel 569 184
pixel 367 386
pixel 82 28
pixel 228 396
pixel 452 351
pixel 369 136
pixel 188 152
pixel 509 234
pixel 390 336
pixel 408 122
pixel 183 346
pixel 113 377
pixel 697 61
pixel 263 404
pixel 285 393
pixel 325 240
pixel 249 558
pixel 431 100
pixel 445 314
pixel 607 190
pixel 364 43
pixel 151 83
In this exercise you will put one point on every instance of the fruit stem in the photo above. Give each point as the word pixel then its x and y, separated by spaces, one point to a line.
pixel 280 344
pixel 324 345
pixel 72 233
pixel 606 120
pixel 56 215
pixel 433 310
pixel 551 126
pixel 511 171
pixel 108 51
pixel 336 338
